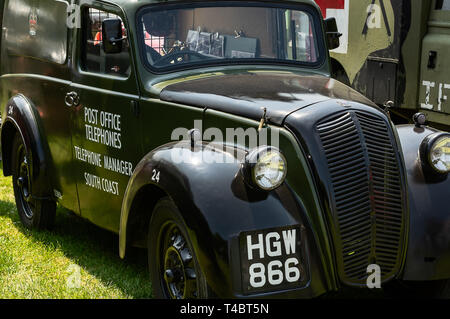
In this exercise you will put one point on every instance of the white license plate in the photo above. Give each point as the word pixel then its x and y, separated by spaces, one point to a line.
pixel 271 259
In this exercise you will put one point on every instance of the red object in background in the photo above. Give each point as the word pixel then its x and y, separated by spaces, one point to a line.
pixel 330 4
pixel 156 43
pixel 98 38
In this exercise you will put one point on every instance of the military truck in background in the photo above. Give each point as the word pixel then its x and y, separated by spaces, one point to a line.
pixel 395 53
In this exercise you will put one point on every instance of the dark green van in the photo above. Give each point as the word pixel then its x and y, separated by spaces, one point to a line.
pixel 211 133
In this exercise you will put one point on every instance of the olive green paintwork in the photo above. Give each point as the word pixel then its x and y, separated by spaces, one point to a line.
pixel 360 46
pixel 414 30
pixel 437 40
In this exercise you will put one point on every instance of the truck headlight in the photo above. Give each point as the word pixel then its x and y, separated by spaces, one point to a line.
pixel 435 152
pixel 265 167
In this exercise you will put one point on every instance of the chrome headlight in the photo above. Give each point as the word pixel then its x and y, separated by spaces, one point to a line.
pixel 265 167
pixel 435 152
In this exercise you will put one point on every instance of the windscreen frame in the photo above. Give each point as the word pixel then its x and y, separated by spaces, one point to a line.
pixel 315 20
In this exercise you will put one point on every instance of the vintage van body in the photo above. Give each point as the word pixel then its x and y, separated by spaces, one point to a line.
pixel 150 134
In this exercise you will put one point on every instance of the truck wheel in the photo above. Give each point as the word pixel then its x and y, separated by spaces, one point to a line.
pixel 438 289
pixel 34 214
pixel 174 269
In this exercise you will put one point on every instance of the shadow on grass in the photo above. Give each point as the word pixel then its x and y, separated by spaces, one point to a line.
pixel 94 249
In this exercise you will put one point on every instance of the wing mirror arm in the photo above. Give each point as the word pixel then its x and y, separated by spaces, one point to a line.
pixel 114 41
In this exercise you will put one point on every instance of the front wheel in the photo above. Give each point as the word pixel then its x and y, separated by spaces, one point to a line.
pixel 34 213
pixel 174 269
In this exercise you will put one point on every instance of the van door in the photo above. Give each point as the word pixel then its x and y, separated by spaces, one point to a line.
pixel 435 77
pixel 106 134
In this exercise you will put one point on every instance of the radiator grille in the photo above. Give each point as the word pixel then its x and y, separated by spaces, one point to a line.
pixel 368 214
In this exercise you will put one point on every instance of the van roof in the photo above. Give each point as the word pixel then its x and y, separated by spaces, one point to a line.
pixel 129 4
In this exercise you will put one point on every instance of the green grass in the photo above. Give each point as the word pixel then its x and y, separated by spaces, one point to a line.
pixel 44 264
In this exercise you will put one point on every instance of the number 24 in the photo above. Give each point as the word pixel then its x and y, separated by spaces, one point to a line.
pixel 155 176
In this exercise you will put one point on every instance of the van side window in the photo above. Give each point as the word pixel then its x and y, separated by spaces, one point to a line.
pixel 443 5
pixel 93 57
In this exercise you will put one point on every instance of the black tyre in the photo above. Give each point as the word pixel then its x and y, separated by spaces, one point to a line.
pixel 438 289
pixel 34 213
pixel 174 269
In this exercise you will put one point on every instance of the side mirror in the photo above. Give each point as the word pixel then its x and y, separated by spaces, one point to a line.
pixel 112 35
pixel 332 33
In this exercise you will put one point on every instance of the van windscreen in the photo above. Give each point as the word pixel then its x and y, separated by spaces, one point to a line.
pixel 210 33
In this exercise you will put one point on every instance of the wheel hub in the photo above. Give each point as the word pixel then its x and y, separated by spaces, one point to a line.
pixel 179 274
pixel 23 179
pixel 23 182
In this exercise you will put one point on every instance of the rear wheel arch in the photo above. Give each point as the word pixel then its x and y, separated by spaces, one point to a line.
pixel 23 118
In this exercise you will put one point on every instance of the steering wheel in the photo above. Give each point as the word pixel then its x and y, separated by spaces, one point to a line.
pixel 179 57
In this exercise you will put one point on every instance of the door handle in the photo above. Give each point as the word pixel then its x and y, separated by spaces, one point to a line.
pixel 72 99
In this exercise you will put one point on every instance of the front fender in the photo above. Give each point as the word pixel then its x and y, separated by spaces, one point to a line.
pixel 23 118
pixel 217 206
pixel 428 252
